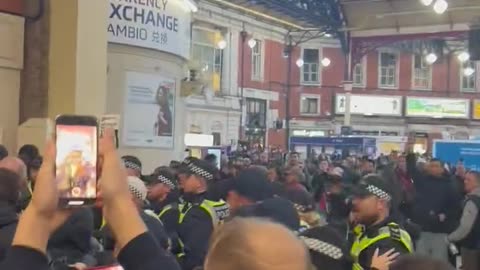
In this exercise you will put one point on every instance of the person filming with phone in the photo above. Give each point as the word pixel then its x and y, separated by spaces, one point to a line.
pixel 137 248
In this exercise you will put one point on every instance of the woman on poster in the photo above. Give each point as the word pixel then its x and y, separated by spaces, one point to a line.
pixel 163 125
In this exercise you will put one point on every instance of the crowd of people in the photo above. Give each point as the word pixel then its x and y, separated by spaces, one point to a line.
pixel 395 212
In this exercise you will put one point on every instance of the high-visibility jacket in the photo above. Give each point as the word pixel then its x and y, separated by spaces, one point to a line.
pixel 362 241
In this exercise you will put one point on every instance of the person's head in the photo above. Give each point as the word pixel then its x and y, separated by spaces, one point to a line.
pixel 336 173
pixel 435 167
pixel 293 158
pixel 3 152
pixel 323 166
pixel 133 165
pixel 371 200
pixel 163 181
pixel 34 168
pixel 17 166
pixel 415 262
pixel 138 190
pixel 199 176
pixel 255 244
pixel 27 153
pixel 274 173
pixel 9 187
pixel 162 95
pixel 293 175
pixel 460 169
pixel 472 181
pixel 264 157
pixel 367 166
pixel 328 249
pixel 212 159
pixel 250 186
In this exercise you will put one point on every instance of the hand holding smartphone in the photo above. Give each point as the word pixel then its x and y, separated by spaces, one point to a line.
pixel 76 159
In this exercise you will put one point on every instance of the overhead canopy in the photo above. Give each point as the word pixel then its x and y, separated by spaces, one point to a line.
pixel 407 16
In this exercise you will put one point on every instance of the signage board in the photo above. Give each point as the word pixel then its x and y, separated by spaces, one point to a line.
pixel 163 25
pixel 453 151
pixel 370 105
pixel 476 109
pixel 437 107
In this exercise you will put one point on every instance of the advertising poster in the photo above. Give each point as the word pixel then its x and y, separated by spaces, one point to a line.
pixel 476 109
pixel 362 104
pixel 163 25
pixel 437 107
pixel 149 111
pixel 452 151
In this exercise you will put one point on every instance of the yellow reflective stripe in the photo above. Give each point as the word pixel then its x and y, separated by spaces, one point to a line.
pixel 104 222
pixel 152 214
pixel 165 210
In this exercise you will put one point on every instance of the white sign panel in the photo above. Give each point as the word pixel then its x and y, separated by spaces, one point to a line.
pixel 370 105
pixel 163 25
pixel 149 111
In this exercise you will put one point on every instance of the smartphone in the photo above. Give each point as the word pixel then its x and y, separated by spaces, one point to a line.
pixel 76 161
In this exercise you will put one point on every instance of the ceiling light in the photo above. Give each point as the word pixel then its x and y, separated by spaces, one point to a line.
pixel 222 44
pixel 468 71
pixel 252 43
pixel 426 2
pixel 328 35
pixel 463 57
pixel 300 62
pixel 431 58
pixel 440 6
pixel 191 5
pixel 326 62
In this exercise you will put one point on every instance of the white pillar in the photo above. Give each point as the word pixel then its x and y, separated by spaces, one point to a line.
pixel 348 97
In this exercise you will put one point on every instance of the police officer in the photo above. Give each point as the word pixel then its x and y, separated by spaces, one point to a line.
pixel 197 215
pixel 377 233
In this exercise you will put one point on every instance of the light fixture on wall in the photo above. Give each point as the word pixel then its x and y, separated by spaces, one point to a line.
pixel 252 43
pixel 426 2
pixel 222 44
pixel 463 57
pixel 440 6
pixel 468 71
pixel 300 62
pixel 326 62
pixel 191 5
pixel 431 58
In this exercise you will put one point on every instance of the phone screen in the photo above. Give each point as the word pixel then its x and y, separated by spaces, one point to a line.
pixel 76 171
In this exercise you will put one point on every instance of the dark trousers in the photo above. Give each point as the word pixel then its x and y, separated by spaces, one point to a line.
pixel 470 259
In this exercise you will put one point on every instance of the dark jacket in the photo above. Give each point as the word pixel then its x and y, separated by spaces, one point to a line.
pixel 141 253
pixel 433 196
pixel 71 242
pixel 8 225
pixel 194 232
pixel 365 258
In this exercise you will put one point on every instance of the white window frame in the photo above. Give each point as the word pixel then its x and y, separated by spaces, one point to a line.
pixel 312 96
pixel 475 79
pixel 397 69
pixel 258 77
pixel 319 69
pixel 363 65
pixel 429 87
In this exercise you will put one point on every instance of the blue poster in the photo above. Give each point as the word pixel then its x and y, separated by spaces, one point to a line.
pixel 453 151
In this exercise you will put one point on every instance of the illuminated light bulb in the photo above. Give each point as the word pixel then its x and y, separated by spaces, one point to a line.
pixel 468 71
pixel 426 2
pixel 222 44
pixel 431 58
pixel 463 57
pixel 326 62
pixel 252 43
pixel 300 62
pixel 440 6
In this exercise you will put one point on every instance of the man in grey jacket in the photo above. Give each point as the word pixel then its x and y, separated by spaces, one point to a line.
pixel 467 234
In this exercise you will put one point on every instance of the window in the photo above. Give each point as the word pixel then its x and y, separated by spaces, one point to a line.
pixel 257 61
pixel 310 105
pixel 422 73
pixel 311 59
pixel 256 113
pixel 207 58
pixel 388 70
pixel 468 82
pixel 359 73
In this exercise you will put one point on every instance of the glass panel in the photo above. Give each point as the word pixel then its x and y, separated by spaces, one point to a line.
pixel 311 55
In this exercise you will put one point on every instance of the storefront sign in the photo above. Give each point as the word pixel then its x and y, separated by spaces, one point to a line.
pixel 476 109
pixel 163 25
pixel 149 111
pixel 308 133
pixel 370 105
pixel 437 107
